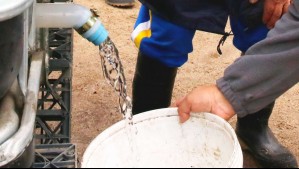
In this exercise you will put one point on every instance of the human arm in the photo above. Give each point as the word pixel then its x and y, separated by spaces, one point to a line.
pixel 267 70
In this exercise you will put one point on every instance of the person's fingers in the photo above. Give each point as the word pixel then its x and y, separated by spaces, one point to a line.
pixel 268 12
pixel 275 16
pixel 286 7
pixel 179 101
pixel 184 117
pixel 184 109
pixel 205 99
pixel 273 10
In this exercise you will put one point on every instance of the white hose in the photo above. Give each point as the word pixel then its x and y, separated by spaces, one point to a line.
pixel 69 15
pixel 61 15
pixel 15 145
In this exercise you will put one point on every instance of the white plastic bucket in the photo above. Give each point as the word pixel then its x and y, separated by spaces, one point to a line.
pixel 205 141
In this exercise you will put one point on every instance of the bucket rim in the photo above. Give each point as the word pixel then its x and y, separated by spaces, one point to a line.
pixel 12 8
pixel 166 112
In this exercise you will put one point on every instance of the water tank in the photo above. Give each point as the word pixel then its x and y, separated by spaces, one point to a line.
pixel 12 26
pixel 11 41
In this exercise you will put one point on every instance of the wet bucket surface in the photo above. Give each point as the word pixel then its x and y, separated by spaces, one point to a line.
pixel 205 140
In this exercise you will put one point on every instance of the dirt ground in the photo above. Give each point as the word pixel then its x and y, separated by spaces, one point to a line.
pixel 95 105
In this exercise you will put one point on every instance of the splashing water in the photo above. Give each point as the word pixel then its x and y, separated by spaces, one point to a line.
pixel 114 74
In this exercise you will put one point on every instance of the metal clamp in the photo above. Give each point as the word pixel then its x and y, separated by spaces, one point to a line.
pixel 88 25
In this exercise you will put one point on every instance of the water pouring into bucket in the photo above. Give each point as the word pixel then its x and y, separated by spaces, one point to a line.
pixel 205 140
pixel 157 138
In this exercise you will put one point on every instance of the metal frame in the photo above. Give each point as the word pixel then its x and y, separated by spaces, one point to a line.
pixel 54 107
pixel 56 156
pixel 53 120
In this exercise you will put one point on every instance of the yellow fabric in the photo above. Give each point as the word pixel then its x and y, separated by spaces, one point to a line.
pixel 141 35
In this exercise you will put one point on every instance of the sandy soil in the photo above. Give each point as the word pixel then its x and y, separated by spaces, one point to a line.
pixel 95 105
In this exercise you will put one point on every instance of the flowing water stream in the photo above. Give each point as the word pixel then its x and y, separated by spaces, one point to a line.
pixel 114 74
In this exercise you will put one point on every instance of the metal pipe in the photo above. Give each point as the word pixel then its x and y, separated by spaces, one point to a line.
pixel 19 141
pixel 9 120
pixel 23 73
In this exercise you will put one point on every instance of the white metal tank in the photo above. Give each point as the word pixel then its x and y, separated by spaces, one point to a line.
pixel 13 32
pixel 11 41
pixel 12 8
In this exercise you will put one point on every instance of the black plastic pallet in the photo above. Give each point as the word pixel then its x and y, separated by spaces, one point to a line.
pixel 55 156
pixel 53 122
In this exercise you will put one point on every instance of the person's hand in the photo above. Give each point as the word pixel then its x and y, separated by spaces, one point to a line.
pixel 205 99
pixel 273 10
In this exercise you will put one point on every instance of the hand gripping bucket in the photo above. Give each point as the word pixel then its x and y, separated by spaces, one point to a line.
pixel 205 141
